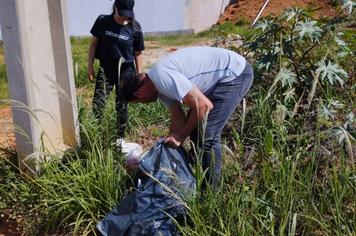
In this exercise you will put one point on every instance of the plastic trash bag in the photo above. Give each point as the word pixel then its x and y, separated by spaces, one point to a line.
pixel 165 182
pixel 132 153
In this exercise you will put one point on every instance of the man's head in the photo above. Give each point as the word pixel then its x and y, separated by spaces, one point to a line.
pixel 139 88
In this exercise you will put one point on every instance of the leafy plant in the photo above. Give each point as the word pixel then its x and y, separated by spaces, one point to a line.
pixel 300 60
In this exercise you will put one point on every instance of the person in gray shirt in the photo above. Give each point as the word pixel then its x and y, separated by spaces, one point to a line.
pixel 210 81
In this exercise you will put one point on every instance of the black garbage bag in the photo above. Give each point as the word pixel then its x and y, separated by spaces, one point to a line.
pixel 165 182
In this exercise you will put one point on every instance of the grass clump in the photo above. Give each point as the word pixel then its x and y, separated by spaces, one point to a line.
pixel 73 194
pixel 4 91
pixel 4 94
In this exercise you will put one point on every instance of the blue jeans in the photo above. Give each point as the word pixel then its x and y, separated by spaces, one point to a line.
pixel 225 98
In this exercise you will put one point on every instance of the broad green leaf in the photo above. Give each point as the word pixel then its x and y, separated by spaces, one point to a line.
pixel 293 13
pixel 332 72
pixel 327 112
pixel 277 48
pixel 343 47
pixel 330 111
pixel 342 135
pixel 264 25
pixel 340 42
pixel 309 29
pixel 266 60
pixel 289 95
pixel 287 77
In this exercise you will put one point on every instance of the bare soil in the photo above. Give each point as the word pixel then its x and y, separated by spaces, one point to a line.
pixel 7 136
pixel 248 9
pixel 8 227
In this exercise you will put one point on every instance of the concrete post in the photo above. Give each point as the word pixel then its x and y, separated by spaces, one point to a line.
pixel 40 74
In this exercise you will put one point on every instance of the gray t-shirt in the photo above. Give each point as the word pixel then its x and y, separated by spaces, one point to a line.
pixel 203 67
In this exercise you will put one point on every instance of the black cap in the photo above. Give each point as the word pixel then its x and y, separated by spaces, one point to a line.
pixel 125 7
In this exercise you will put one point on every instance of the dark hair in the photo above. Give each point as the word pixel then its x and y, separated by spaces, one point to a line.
pixel 130 86
pixel 132 19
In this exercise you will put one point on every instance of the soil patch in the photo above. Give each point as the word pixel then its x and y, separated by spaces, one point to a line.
pixel 8 227
pixel 248 9
pixel 7 135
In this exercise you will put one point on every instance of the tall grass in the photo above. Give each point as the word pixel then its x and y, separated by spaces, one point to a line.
pixel 3 77
pixel 4 93
pixel 284 177
pixel 75 193
pixel 286 190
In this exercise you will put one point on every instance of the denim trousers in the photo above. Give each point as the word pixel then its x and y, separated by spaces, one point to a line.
pixel 105 83
pixel 225 98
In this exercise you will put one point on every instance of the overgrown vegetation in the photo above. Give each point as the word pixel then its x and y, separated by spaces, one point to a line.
pixel 3 76
pixel 290 165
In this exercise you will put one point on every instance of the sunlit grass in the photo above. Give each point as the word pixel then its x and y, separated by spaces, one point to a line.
pixel 4 91
pixel 280 177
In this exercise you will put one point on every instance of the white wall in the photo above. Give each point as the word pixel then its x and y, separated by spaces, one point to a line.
pixel 82 14
pixel 154 15
pixel 160 15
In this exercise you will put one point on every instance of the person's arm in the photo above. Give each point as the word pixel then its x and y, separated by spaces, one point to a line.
pixel 178 118
pixel 91 56
pixel 200 106
pixel 139 61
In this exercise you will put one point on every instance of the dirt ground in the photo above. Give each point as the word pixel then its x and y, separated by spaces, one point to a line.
pixel 8 227
pixel 7 136
pixel 248 9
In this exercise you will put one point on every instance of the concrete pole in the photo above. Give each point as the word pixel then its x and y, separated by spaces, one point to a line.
pixel 41 81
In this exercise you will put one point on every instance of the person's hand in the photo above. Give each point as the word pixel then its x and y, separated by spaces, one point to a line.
pixel 173 140
pixel 91 74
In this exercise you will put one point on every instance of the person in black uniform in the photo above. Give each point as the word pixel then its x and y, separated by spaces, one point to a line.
pixel 115 37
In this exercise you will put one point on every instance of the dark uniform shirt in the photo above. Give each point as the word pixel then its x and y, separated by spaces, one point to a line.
pixel 116 41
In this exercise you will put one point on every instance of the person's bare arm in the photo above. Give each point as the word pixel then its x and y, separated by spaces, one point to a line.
pixel 200 106
pixel 91 56
pixel 178 118
pixel 139 61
